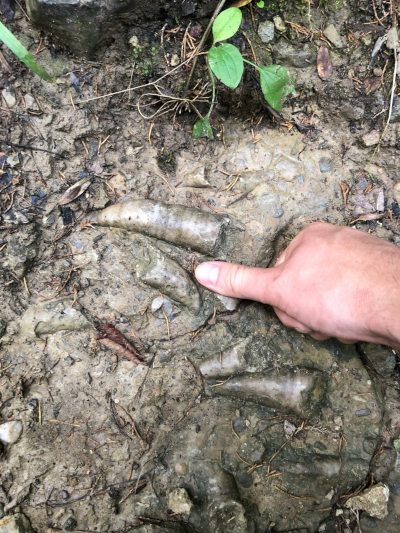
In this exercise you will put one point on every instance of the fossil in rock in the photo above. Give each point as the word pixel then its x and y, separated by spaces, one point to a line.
pixel 295 391
pixel 180 225
pixel 164 274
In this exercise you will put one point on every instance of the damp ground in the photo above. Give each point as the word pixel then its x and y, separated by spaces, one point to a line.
pixel 192 441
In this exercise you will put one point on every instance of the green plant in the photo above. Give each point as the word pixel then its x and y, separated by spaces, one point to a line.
pixel 19 50
pixel 227 64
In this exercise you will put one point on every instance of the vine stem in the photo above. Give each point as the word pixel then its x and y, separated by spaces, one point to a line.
pixel 213 87
pixel 200 47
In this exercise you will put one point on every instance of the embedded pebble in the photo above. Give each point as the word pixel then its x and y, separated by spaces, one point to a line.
pixel 363 412
pixel 181 469
pixel 266 31
pixel 8 97
pixel 179 501
pixel 10 431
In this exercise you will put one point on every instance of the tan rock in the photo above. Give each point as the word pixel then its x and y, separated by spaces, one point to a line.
pixel 371 138
pixel 179 501
pixel 373 501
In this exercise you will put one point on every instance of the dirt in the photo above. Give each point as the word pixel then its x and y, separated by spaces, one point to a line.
pixel 264 428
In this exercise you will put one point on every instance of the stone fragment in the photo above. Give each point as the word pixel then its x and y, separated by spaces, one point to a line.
pixel 395 116
pixel 373 501
pixel 266 31
pixel 8 97
pixel 175 60
pixel 190 173
pixel 289 55
pixel 179 501
pixel 352 112
pixel 279 24
pixel 134 41
pixel 371 138
pixel 70 524
pixel 333 36
pixel 181 468
pixel 30 102
pixel 392 38
pixel 396 192
pixel 11 431
pixel 230 304
pixel 17 523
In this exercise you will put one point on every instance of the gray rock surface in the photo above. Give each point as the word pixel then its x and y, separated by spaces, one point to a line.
pixel 266 31
pixel 85 26
pixel 300 57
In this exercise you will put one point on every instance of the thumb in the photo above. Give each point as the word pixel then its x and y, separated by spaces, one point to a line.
pixel 240 281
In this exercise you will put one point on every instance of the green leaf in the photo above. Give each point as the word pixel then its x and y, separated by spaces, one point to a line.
pixel 260 3
pixel 275 84
pixel 15 46
pixel 227 64
pixel 202 128
pixel 227 24
pixel 396 444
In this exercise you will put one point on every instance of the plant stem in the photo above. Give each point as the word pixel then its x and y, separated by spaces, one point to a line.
pixel 203 40
pixel 250 63
pixel 213 87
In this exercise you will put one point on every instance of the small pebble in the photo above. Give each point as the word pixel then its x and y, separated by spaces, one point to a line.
pixel 10 431
pixel 65 494
pixel 33 403
pixel 363 412
pixel 70 524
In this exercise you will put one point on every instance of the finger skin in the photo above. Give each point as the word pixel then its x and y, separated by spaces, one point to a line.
pixel 239 281
pixel 331 281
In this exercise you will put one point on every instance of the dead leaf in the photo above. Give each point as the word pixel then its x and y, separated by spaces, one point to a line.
pixel 324 64
pixel 240 3
pixel 372 216
pixel 74 191
pixel 371 84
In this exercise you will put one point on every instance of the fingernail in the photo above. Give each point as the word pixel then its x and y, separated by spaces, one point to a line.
pixel 207 273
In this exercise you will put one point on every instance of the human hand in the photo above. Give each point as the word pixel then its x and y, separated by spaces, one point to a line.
pixel 330 282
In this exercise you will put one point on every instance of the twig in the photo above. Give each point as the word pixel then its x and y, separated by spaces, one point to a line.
pixel 136 88
pixel 200 47
pixel 393 87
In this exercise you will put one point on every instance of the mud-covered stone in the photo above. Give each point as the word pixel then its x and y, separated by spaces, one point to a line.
pixel 85 26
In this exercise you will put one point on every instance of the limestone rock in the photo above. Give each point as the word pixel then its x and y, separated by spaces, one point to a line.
pixel 11 431
pixel 30 102
pixel 9 97
pixel 333 36
pixel 179 501
pixel 371 138
pixel 175 60
pixel 392 38
pixel 266 31
pixel 279 24
pixel 17 523
pixel 373 501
